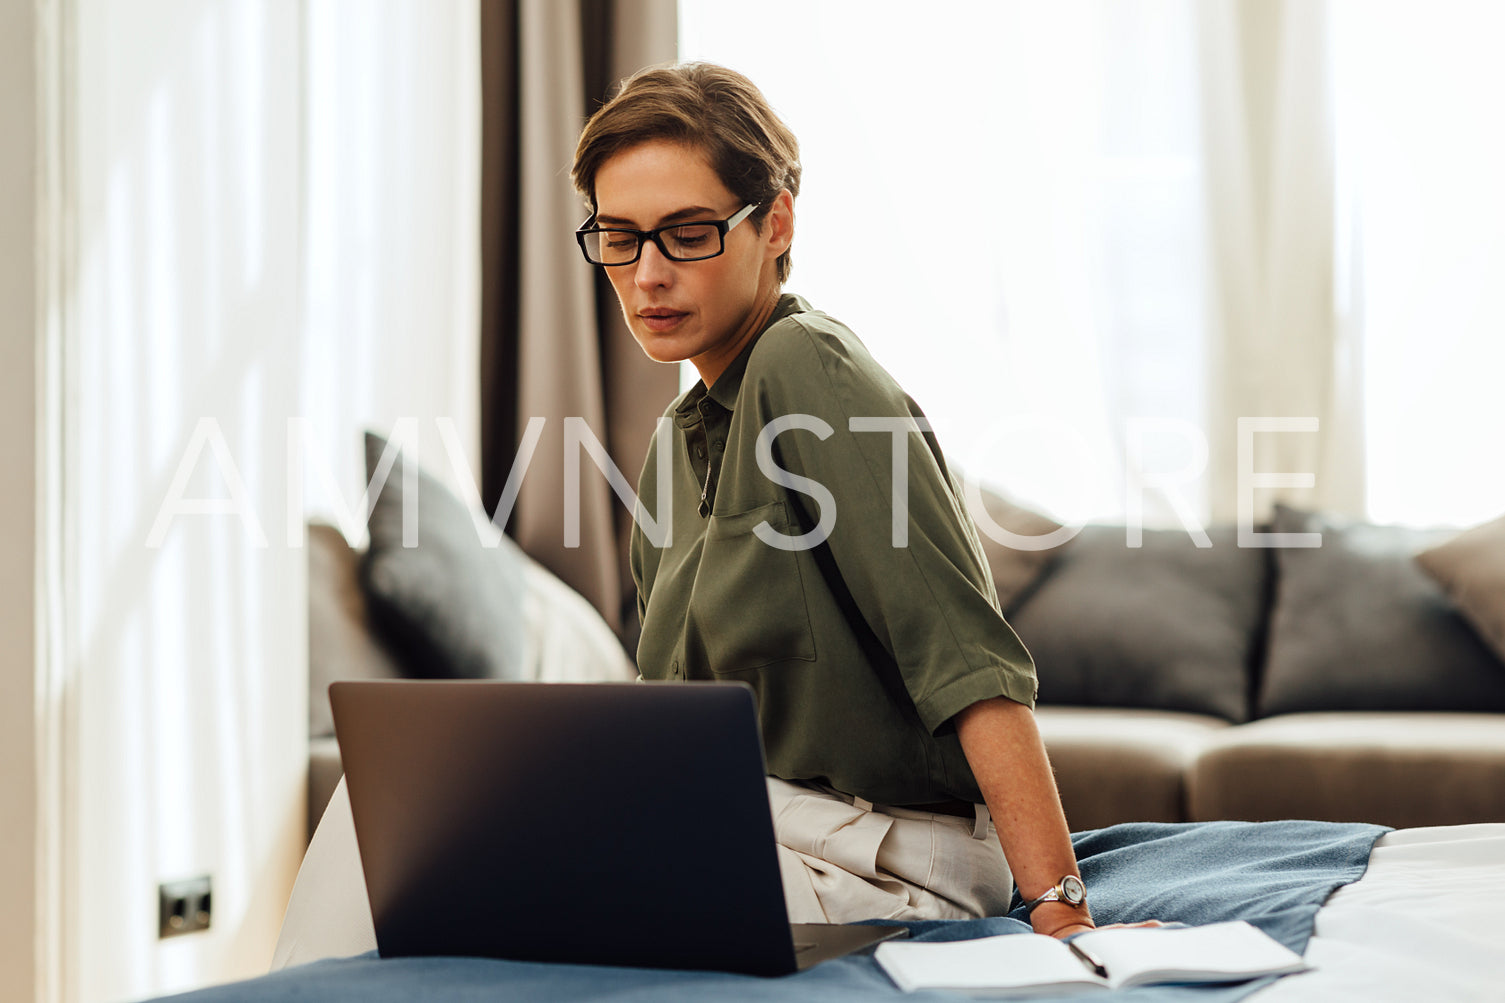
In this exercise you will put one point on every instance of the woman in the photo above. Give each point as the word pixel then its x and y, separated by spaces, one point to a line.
pixel 818 548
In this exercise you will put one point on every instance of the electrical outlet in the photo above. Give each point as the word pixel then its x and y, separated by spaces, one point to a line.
pixel 184 906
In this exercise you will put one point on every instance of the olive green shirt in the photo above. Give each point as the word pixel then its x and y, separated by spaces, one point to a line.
pixel 859 652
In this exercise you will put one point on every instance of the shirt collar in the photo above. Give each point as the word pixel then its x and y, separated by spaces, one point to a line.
pixel 729 383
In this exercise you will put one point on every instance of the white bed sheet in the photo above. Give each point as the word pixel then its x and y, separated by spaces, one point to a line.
pixel 1423 924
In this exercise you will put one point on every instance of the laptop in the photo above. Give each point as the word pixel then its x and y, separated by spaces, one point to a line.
pixel 598 823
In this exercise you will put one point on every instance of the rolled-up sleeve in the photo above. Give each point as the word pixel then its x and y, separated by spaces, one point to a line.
pixel 930 601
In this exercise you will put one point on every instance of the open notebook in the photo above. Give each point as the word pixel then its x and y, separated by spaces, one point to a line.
pixel 1111 959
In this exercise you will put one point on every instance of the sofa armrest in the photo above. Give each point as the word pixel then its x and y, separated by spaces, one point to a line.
pixel 1118 765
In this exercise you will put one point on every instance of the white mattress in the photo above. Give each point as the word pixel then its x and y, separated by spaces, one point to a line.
pixel 1426 922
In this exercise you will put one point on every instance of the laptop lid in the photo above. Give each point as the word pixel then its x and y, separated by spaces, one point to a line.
pixel 599 823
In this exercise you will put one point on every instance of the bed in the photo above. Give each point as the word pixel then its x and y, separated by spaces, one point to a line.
pixel 1406 914
pixel 1380 914
pixel 1422 923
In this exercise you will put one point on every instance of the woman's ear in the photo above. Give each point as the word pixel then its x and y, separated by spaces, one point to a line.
pixel 779 223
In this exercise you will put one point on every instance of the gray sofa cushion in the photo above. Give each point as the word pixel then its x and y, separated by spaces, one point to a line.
pixel 1358 626
pixel 1166 626
pixel 447 607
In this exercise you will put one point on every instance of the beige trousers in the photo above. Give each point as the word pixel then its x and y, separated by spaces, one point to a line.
pixel 844 860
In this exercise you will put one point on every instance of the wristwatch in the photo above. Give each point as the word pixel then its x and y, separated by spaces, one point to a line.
pixel 1068 890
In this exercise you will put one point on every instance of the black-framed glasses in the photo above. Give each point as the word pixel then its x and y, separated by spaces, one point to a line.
pixel 616 245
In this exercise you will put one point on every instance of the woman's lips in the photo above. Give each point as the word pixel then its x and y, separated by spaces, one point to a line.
pixel 659 321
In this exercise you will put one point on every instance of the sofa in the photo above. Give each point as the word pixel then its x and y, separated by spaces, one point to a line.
pixel 1359 680
pixel 1351 681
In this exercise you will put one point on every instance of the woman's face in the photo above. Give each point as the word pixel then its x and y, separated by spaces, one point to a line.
pixel 705 311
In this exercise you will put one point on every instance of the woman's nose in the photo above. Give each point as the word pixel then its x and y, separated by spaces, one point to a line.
pixel 653 269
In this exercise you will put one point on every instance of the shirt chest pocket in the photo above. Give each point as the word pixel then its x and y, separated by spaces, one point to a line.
pixel 749 600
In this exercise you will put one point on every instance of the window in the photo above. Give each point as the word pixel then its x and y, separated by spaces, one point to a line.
pixel 1003 201
pixel 1011 204
pixel 1421 161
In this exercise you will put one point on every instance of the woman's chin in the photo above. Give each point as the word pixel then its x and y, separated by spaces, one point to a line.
pixel 660 349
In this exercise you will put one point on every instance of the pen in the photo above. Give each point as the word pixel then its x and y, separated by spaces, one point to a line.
pixel 1097 966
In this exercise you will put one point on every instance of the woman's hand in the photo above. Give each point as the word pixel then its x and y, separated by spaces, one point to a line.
pixel 1056 919
pixel 1080 927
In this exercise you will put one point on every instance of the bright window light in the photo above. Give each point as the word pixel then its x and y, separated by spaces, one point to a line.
pixel 1421 163
pixel 1003 200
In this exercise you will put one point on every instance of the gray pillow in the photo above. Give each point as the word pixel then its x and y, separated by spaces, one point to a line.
pixel 1471 569
pixel 1014 571
pixel 447 607
pixel 1167 625
pixel 1358 626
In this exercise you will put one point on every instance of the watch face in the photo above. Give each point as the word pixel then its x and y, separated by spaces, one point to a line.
pixel 1073 892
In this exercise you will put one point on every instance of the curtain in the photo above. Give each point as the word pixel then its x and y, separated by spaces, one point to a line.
pixel 390 109
pixel 1281 351
pixel 1422 246
pixel 553 344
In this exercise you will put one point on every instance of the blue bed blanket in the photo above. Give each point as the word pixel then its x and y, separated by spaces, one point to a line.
pixel 1273 874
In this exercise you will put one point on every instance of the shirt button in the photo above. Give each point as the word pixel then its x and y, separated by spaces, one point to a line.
pixel 674 670
pixel 719 445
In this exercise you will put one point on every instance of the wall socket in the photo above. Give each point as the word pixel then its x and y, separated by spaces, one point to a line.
pixel 184 906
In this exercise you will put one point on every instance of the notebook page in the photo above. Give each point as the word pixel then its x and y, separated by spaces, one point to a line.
pixel 987 964
pixel 1216 952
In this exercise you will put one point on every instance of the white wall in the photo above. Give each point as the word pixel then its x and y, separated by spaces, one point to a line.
pixel 20 322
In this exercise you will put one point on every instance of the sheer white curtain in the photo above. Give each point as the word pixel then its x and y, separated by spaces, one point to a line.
pixel 1282 352
pixel 1421 159
pixel 1004 201
pixel 270 214
pixel 391 224
pixel 180 632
